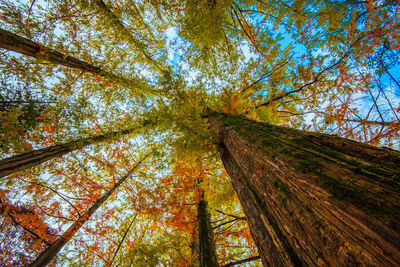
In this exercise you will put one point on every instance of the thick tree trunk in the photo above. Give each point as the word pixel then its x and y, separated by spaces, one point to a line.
pixel 313 199
pixel 48 254
pixel 36 157
pixel 13 42
pixel 207 252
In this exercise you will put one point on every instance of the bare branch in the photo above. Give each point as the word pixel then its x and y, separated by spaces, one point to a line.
pixel 241 261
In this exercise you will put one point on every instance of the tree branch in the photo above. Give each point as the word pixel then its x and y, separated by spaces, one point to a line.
pixel 241 261
pixel 122 240
pixel 316 79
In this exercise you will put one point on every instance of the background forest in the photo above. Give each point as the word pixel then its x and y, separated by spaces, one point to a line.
pixel 126 85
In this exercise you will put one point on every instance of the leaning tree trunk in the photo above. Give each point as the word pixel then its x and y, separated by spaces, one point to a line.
pixel 48 254
pixel 36 157
pixel 13 42
pixel 312 199
pixel 207 252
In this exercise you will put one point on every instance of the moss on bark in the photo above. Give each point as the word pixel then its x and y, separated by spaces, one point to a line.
pixel 335 201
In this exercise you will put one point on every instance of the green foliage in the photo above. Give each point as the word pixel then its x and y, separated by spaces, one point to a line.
pixel 21 112
pixel 203 21
pixel 309 65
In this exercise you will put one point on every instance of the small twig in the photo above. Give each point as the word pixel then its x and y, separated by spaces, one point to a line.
pixel 241 261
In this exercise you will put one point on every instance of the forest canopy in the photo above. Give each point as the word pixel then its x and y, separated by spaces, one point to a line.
pixel 127 85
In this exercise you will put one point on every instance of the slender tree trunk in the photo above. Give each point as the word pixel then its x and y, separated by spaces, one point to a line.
pixel 313 199
pixel 36 157
pixel 48 254
pixel 207 252
pixel 13 42
pixel 122 240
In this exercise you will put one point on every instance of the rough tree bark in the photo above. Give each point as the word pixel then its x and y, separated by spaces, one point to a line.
pixel 313 199
pixel 48 254
pixel 207 252
pixel 13 42
pixel 36 157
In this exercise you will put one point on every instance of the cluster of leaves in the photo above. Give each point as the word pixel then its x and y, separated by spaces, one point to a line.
pixel 21 111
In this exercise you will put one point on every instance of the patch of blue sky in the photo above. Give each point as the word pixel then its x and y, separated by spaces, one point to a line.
pixel 175 48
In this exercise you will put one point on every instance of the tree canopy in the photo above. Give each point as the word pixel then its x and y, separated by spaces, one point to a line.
pixel 123 79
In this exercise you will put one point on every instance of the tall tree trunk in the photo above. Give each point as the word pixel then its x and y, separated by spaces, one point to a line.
pixel 313 199
pixel 13 42
pixel 48 254
pixel 207 252
pixel 36 157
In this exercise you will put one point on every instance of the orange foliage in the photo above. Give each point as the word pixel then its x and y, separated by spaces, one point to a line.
pixel 22 224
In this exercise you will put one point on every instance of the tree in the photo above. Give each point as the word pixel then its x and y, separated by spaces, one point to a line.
pixel 207 253
pixel 24 46
pixel 48 254
pixel 36 157
pixel 312 199
pixel 323 66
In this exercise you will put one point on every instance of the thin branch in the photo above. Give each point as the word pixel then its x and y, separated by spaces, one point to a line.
pixel 221 224
pixel 387 99
pixel 231 215
pixel 316 78
pixel 241 261
pixel 98 255
pixel 122 240
pixel 387 71
pixel 362 121
pixel 23 227
pixel 51 215
pixel 246 33
pixel 54 191
pixel 265 75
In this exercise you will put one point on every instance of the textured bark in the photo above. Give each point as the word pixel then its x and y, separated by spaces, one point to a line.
pixel 13 42
pixel 207 252
pixel 48 254
pixel 313 199
pixel 36 157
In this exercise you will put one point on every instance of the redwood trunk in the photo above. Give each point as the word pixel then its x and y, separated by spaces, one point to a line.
pixel 48 254
pixel 13 42
pixel 207 252
pixel 36 157
pixel 313 199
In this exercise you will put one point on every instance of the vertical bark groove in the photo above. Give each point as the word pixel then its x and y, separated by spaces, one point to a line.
pixel 207 252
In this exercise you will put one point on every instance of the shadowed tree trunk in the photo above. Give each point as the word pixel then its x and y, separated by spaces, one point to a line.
pixel 312 199
pixel 13 42
pixel 48 254
pixel 207 252
pixel 36 157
